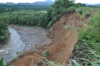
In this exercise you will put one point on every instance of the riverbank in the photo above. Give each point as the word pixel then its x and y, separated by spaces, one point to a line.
pixel 5 41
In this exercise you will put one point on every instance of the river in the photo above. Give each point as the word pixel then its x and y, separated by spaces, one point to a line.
pixel 14 45
pixel 23 39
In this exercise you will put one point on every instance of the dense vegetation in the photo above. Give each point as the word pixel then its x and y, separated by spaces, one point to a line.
pixel 33 7
pixel 26 17
pixel 3 28
pixel 31 15
pixel 88 47
pixel 59 7
pixel 38 16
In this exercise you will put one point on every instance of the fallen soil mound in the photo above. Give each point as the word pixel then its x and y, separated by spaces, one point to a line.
pixel 63 42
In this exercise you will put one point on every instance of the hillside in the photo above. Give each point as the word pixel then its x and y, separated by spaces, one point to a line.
pixel 69 35
pixel 63 42
pixel 36 5
pixel 92 4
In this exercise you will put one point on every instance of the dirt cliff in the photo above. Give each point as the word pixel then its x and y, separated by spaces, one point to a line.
pixel 63 42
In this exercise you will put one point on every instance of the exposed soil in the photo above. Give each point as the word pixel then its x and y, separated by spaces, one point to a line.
pixel 63 42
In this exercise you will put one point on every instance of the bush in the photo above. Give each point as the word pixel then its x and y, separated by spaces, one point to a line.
pixel 88 47
pixel 28 17
pixel 3 31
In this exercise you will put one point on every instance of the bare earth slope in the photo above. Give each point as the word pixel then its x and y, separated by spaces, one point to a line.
pixel 64 40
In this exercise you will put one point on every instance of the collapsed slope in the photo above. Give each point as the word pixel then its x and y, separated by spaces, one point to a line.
pixel 63 42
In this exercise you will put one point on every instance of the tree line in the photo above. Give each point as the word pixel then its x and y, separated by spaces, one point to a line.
pixel 42 16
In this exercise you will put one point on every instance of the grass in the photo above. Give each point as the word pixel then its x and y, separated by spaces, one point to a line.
pixel 88 47
pixel 46 62
pixel 43 11
pixel 87 51
pixel 45 53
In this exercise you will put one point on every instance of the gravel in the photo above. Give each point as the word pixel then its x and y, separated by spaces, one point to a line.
pixel 32 37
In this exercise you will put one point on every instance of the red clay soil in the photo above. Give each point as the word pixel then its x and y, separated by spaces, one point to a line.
pixel 64 40
pixel 28 60
pixel 61 48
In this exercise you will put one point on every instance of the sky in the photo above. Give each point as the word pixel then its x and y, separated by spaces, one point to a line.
pixel 31 1
pixel 88 1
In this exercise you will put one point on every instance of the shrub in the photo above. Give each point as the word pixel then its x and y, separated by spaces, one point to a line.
pixel 3 31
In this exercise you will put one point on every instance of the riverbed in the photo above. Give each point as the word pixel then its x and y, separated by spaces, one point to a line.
pixel 23 39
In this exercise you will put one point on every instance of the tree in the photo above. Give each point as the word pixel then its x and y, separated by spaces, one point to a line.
pixel 3 31
pixel 58 7
pixel 2 10
pixel 81 5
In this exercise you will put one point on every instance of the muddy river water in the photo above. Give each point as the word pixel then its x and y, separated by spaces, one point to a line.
pixel 23 39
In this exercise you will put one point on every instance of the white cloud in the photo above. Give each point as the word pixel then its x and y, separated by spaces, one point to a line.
pixel 78 1
pixel 88 1
pixel 16 1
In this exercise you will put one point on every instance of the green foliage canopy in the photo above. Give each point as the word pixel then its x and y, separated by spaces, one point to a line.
pixel 3 31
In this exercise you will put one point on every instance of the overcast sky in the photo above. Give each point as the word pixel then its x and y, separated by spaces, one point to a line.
pixel 30 1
